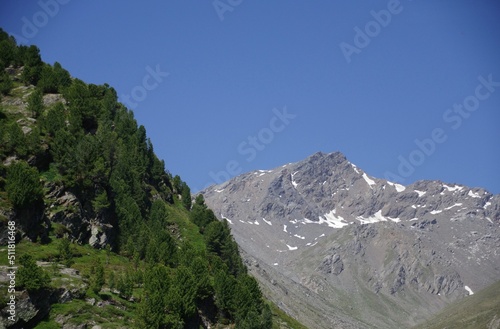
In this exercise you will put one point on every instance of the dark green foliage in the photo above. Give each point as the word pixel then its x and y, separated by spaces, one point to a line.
pixel 23 185
pixel 247 298
pixel 16 140
pixel 186 196
pixel 200 214
pixel 30 57
pixel 7 50
pixel 219 241
pixel 84 106
pixel 30 276
pixel 6 83
pixel 101 202
pixel 53 79
pixel 65 254
pixel 177 183
pixel 125 285
pixel 96 280
pixel 266 318
pixel 35 103
pixel 224 286
pixel 215 237
pixel 54 120
pixel 162 302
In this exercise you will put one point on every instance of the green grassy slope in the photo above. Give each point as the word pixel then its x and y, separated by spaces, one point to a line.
pixel 481 310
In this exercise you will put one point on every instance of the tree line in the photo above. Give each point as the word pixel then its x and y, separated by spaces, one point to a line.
pixel 91 144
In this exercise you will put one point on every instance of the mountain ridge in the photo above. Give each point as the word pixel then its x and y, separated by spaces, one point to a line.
pixel 323 219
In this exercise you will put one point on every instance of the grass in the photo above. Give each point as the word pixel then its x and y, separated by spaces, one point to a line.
pixel 477 311
pixel 281 320
pixel 189 231
pixel 79 312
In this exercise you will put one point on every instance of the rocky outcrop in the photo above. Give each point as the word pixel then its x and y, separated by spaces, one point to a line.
pixel 81 223
pixel 332 265
pixel 30 309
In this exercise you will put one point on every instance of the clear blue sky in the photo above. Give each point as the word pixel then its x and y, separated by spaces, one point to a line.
pixel 225 77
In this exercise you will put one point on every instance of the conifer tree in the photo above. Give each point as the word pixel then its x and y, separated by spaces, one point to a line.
pixel 30 276
pixel 35 103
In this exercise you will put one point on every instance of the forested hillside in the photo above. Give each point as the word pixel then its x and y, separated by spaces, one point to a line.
pixel 104 234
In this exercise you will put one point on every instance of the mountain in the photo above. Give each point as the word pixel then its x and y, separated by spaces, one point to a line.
pixel 333 246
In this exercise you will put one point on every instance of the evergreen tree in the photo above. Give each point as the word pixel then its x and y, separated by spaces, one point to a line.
pixel 35 103
pixel 186 196
pixel 30 276
pixel 17 141
pixel 96 276
pixel 32 64
pixel 7 50
pixel 65 254
pixel 54 120
pixel 125 285
pixel 199 268
pixel 224 285
pixel 62 77
pixel 47 82
pixel 266 317
pixel 6 83
pixel 23 185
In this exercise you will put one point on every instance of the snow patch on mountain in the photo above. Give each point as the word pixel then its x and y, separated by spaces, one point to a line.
pixel 455 205
pixel 375 218
pixel 420 193
pixel 228 220
pixel 332 221
pixel 368 180
pixel 473 194
pixel 293 182
pixel 453 188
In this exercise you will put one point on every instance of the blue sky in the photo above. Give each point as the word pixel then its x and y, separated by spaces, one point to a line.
pixel 405 89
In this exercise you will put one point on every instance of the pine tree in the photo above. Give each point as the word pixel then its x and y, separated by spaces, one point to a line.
pixel 17 141
pixel 6 83
pixel 54 120
pixel 35 103
pixel 97 276
pixel 65 253
pixel 186 196
pixel 23 185
pixel 30 276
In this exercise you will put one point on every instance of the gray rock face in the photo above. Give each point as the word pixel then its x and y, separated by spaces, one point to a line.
pixel 361 251
pixel 80 221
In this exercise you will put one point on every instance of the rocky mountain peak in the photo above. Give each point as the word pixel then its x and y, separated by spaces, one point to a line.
pixel 325 223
